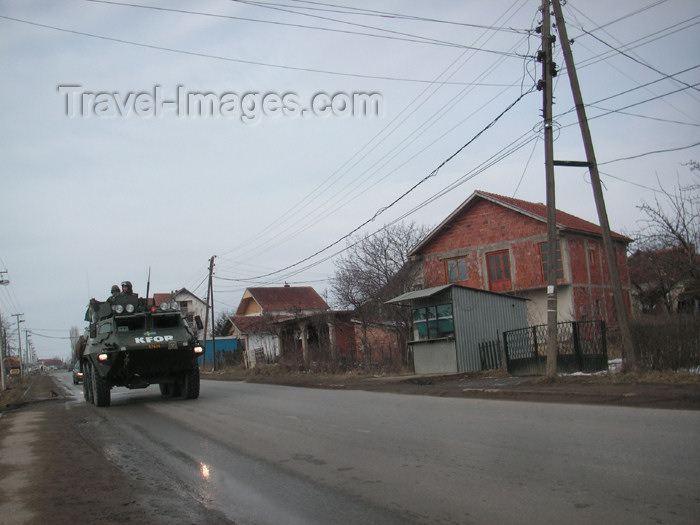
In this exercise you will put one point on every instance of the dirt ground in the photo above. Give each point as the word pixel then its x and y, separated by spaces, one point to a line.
pixel 51 472
pixel 652 390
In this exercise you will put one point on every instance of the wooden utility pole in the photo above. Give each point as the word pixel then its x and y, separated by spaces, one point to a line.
pixel 546 86
pixel 629 361
pixel 213 317
pixel 19 344
pixel 206 312
pixel 3 282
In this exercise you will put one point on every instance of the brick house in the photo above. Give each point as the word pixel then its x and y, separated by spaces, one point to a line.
pixel 497 243
pixel 190 305
pixel 296 324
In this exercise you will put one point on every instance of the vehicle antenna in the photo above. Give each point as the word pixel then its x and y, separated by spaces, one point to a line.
pixel 148 285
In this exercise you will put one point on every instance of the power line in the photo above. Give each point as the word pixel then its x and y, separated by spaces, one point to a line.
pixel 362 153
pixel 364 26
pixel 424 179
pixel 229 59
pixel 638 61
pixel 647 153
pixel 386 14
pixel 407 37
pixel 648 117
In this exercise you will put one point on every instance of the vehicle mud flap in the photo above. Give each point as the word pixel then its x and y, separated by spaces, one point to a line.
pixel 100 388
pixel 190 388
pixel 166 389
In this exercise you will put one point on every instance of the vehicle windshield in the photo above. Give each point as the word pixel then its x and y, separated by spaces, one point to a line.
pixel 127 324
pixel 166 321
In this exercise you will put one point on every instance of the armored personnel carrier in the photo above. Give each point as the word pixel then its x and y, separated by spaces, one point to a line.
pixel 133 344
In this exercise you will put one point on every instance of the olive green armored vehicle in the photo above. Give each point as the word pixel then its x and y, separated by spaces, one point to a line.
pixel 133 344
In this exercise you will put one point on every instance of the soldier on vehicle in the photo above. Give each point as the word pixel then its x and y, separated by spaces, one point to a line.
pixel 126 288
pixel 114 293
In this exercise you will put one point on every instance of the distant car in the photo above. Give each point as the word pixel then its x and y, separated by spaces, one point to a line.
pixel 77 374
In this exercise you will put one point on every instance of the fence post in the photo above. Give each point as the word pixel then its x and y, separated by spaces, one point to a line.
pixel 535 346
pixel 577 346
pixel 604 340
pixel 505 351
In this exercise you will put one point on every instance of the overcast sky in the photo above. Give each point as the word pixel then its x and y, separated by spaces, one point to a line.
pixel 105 174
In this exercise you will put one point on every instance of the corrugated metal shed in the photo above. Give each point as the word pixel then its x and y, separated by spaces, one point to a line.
pixel 478 315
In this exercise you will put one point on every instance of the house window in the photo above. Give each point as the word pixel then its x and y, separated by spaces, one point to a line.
pixel 544 254
pixel 498 264
pixel 456 270
pixel 592 256
pixel 433 322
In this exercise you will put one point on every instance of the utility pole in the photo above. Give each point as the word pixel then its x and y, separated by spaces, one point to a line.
pixel 210 300
pixel 548 71
pixel 3 282
pixel 19 343
pixel 27 347
pixel 213 317
pixel 630 361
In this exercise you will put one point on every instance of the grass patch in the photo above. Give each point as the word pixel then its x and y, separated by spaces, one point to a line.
pixel 12 397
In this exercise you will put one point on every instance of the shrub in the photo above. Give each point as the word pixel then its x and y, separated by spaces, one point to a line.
pixel 667 343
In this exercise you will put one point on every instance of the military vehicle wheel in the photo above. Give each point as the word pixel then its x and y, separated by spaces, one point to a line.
pixel 87 384
pixel 101 390
pixel 191 384
pixel 166 389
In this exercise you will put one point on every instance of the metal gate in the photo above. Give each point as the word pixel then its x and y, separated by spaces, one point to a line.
pixel 581 347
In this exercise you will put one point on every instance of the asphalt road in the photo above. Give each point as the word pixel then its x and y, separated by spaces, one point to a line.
pixel 272 454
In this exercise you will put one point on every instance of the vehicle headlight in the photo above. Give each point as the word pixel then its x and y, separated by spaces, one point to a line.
pixel 117 308
pixel 103 357
pixel 198 349
pixel 130 308
pixel 174 305
pixel 164 306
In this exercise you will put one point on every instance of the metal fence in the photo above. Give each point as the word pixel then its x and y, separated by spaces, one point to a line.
pixel 490 355
pixel 581 347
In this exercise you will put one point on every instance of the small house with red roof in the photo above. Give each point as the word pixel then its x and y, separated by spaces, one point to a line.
pixel 496 243
pixel 281 300
pixel 267 315
pixel 190 305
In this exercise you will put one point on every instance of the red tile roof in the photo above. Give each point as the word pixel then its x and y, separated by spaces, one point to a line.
pixel 159 298
pixel 539 210
pixel 288 298
pixel 254 324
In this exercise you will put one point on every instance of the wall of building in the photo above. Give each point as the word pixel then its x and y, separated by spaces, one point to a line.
pixel 584 292
pixel 377 344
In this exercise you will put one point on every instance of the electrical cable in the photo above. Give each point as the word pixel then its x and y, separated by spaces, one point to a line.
pixel 225 59
pixel 355 159
pixel 364 26
pixel 413 38
pixel 424 179
pixel 619 51
pixel 385 14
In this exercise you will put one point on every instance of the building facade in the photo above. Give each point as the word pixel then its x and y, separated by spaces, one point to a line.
pixel 499 244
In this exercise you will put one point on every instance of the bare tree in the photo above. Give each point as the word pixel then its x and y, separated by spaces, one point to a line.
pixel 74 337
pixel 374 269
pixel 664 252
pixel 219 326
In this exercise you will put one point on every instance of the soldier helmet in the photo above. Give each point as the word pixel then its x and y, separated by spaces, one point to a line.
pixel 126 286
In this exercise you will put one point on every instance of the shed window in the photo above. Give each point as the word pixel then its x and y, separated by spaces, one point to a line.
pixel 433 322
pixel 456 270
